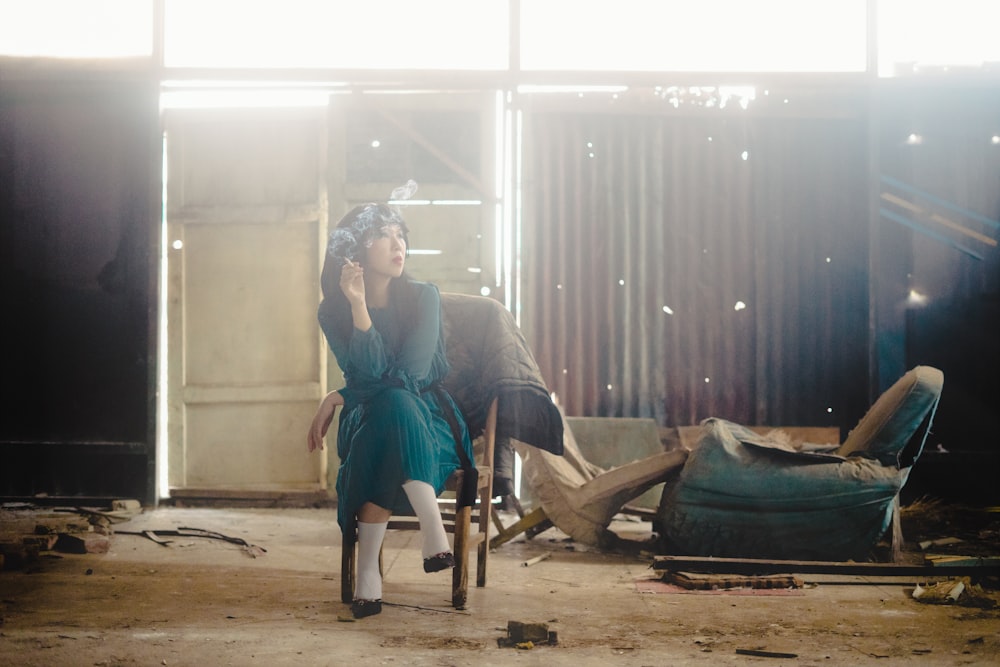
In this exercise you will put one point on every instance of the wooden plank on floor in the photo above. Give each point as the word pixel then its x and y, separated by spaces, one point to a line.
pixel 754 566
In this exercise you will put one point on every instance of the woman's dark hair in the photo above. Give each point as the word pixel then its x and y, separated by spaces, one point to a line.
pixel 350 240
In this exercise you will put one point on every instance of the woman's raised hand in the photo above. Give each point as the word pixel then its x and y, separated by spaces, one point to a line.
pixel 352 282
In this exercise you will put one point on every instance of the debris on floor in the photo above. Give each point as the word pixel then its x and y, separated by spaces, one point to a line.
pixel 760 653
pixel 961 592
pixel 211 604
pixel 951 528
pixel 27 530
pixel 537 559
pixel 977 567
pixel 661 586
pixel 940 542
pixel 526 636
pixel 694 581
pixel 159 536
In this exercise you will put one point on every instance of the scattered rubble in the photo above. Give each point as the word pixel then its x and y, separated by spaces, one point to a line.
pixel 694 581
pixel 526 636
pixel 159 536
pixel 961 592
pixel 27 530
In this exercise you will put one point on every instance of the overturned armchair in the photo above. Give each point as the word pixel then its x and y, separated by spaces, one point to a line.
pixel 745 495
pixel 739 493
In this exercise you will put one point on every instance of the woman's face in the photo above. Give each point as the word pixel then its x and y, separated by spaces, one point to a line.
pixel 387 253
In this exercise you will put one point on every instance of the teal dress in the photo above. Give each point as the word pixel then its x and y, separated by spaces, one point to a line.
pixel 393 426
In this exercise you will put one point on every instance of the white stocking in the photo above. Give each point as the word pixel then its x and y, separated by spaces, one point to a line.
pixel 424 503
pixel 368 585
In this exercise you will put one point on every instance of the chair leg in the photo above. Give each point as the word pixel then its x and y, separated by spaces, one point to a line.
pixel 513 501
pixel 897 532
pixel 460 573
pixel 348 562
pixel 485 512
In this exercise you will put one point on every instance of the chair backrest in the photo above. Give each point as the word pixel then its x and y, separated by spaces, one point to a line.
pixel 463 319
pixel 489 359
pixel 894 429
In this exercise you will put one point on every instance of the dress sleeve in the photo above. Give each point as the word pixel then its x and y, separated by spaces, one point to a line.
pixel 369 366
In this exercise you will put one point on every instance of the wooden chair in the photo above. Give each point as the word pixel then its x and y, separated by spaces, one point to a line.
pixel 492 366
pixel 457 520
pixel 465 359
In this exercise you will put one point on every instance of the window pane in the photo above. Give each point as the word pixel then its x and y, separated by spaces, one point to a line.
pixel 378 151
pixel 374 34
pixel 76 28
pixel 928 35
pixel 704 36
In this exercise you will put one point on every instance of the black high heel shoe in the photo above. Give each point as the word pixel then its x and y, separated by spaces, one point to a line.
pixel 363 608
pixel 438 562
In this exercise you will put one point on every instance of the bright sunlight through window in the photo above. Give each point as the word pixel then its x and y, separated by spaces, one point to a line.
pixel 928 35
pixel 703 36
pixel 374 34
pixel 76 28
pixel 914 36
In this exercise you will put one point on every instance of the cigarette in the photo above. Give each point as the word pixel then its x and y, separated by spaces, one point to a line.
pixel 537 559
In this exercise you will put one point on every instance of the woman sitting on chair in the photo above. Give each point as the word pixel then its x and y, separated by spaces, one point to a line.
pixel 395 442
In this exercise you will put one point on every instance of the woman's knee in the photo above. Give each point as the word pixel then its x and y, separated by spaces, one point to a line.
pixel 372 513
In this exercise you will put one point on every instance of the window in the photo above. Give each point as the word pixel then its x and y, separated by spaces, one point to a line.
pixel 704 36
pixel 76 28
pixel 378 150
pixel 921 36
pixel 374 34
pixel 913 36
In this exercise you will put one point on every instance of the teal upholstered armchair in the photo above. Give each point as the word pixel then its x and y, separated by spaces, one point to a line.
pixel 742 495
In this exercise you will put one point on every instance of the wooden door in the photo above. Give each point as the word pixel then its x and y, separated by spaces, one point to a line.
pixel 246 213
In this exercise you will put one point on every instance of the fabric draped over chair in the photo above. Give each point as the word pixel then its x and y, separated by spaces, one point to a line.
pixel 489 359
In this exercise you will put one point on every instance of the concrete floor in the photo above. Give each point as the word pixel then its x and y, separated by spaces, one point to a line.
pixel 206 602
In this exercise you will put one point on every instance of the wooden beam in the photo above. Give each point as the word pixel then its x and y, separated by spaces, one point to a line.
pixel 534 519
pixel 983 567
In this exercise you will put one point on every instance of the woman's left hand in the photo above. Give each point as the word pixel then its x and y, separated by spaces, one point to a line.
pixel 322 420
